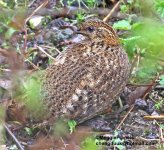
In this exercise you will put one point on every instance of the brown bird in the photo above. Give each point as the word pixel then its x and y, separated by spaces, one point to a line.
pixel 86 79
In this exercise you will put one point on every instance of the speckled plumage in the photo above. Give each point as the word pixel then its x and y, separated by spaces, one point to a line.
pixel 87 78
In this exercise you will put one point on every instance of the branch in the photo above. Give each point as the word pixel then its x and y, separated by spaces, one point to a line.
pixel 106 19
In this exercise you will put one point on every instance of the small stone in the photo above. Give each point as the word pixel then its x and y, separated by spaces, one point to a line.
pixel 141 104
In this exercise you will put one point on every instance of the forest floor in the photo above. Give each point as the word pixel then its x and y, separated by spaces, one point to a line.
pixel 31 39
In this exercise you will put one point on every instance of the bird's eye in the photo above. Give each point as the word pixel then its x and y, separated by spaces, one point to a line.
pixel 90 29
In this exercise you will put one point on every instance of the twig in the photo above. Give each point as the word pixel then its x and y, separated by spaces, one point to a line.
pixel 120 102
pixel 13 137
pixel 150 87
pixel 152 84
pixel 135 62
pixel 4 69
pixel 45 46
pixel 161 135
pixel 69 11
pixel 65 145
pixel 159 87
pixel 25 29
pixel 23 51
pixel 138 58
pixel 147 140
pixel 34 12
pixel 29 5
pixel 42 50
pixel 84 4
pixel 135 84
pixel 36 67
pixel 112 11
pixel 161 117
pixel 124 118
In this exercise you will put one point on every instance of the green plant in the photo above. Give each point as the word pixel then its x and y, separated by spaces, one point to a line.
pixel 80 16
pixel 161 126
pixel 10 22
pixel 7 3
pixel 142 40
pixel 151 41
pixel 5 19
pixel 31 131
pixel 70 2
pixel 159 104
pixel 32 96
pixel 124 8
pixel 11 4
pixel 117 141
pixel 160 146
pixel 145 41
pixel 90 3
pixel 122 25
pixel 129 6
pixel 159 6
pixel 89 144
pixel 60 128
pixel 2 132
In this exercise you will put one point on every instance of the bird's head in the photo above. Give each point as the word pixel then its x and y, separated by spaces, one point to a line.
pixel 97 30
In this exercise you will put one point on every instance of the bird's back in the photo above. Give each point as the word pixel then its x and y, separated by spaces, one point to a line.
pixel 85 80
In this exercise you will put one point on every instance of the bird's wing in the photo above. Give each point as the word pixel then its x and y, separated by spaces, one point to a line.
pixel 62 78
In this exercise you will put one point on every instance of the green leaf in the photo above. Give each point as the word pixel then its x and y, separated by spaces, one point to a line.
pixel 130 39
pixel 117 140
pixel 9 33
pixel 130 1
pixel 130 45
pixel 137 25
pixel 122 25
pixel 159 104
pixel 150 48
pixel 124 8
pixel 13 147
pixel 161 126
pixel 3 4
pixel 159 7
pixel 120 147
pixel 28 130
pixel 35 21
pixel 72 124
pixel 89 144
pixel 161 82
pixel 80 16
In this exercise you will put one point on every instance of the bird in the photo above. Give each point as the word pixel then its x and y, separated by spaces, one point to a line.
pixel 87 78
